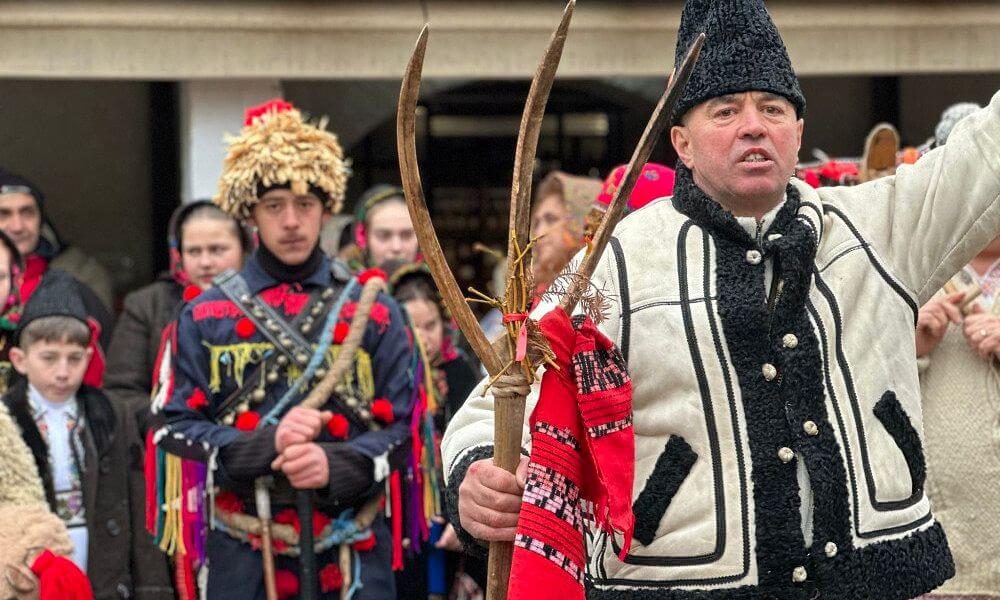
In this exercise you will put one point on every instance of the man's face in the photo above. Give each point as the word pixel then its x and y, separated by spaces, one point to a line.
pixel 742 148
pixel 56 369
pixel 21 220
pixel 390 234
pixel 288 225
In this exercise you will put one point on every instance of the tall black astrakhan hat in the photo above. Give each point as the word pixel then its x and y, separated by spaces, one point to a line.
pixel 743 52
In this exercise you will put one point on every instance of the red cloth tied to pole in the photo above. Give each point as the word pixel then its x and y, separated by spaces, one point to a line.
pixel 582 450
pixel 521 350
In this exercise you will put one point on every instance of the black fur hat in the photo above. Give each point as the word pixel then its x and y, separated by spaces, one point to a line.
pixel 743 52
pixel 58 294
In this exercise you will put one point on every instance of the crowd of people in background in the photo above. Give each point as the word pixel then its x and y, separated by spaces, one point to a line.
pixel 77 382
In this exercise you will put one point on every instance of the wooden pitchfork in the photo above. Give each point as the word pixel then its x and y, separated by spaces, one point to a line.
pixel 509 412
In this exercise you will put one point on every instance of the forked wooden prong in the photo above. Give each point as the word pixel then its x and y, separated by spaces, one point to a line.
pixel 527 136
pixel 409 170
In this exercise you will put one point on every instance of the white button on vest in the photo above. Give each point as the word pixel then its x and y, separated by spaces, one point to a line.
pixel 769 371
pixel 753 257
pixel 774 236
pixel 830 549
pixel 810 428
pixel 786 455
pixel 789 340
pixel 799 574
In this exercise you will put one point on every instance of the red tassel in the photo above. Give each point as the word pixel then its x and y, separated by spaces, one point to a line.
pixel 395 490
pixel 60 579
pixel 184 578
pixel 152 508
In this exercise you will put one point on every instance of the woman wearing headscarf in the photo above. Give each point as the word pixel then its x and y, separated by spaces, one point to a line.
pixel 204 241
pixel 562 203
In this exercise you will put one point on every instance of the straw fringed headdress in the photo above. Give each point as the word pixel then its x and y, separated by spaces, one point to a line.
pixel 277 147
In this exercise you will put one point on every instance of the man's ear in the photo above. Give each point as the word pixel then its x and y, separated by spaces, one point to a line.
pixel 89 353
pixel 327 215
pixel 802 127
pixel 680 137
pixel 250 222
pixel 18 358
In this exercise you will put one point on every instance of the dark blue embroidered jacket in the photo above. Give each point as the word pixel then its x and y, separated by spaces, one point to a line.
pixel 213 356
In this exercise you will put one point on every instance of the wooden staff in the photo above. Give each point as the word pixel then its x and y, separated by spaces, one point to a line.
pixel 509 409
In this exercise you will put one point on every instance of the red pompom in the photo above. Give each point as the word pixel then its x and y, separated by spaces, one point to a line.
pixel 59 578
pixel 197 400
pixel 382 410
pixel 245 328
pixel 191 292
pixel 320 521
pixel 248 421
pixel 338 427
pixel 287 517
pixel 365 276
pixel 330 578
pixel 228 502
pixel 340 332
pixel 276 105
pixel 286 583
pixel 366 544
pixel 380 313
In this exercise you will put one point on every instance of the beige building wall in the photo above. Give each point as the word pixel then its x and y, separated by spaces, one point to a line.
pixel 469 38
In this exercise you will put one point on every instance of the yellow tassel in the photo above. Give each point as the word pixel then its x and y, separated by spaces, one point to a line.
pixel 363 369
pixel 173 538
pixel 239 357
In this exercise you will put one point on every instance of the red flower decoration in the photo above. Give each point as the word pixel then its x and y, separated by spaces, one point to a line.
pixel 365 276
pixel 330 578
pixel 191 292
pixel 255 541
pixel 277 105
pixel 279 545
pixel 338 427
pixel 366 544
pixel 382 410
pixel 248 421
pixel 197 400
pixel 286 583
pixel 340 332
pixel 228 502
pixel 245 328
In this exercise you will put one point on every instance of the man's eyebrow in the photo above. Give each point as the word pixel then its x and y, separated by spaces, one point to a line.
pixel 726 99
pixel 769 96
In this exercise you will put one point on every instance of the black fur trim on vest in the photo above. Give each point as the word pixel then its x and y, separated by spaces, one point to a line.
pixel 777 410
pixel 99 418
pixel 895 420
pixel 671 468
pixel 884 571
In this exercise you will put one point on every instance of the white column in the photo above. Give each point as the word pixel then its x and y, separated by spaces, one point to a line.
pixel 210 110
